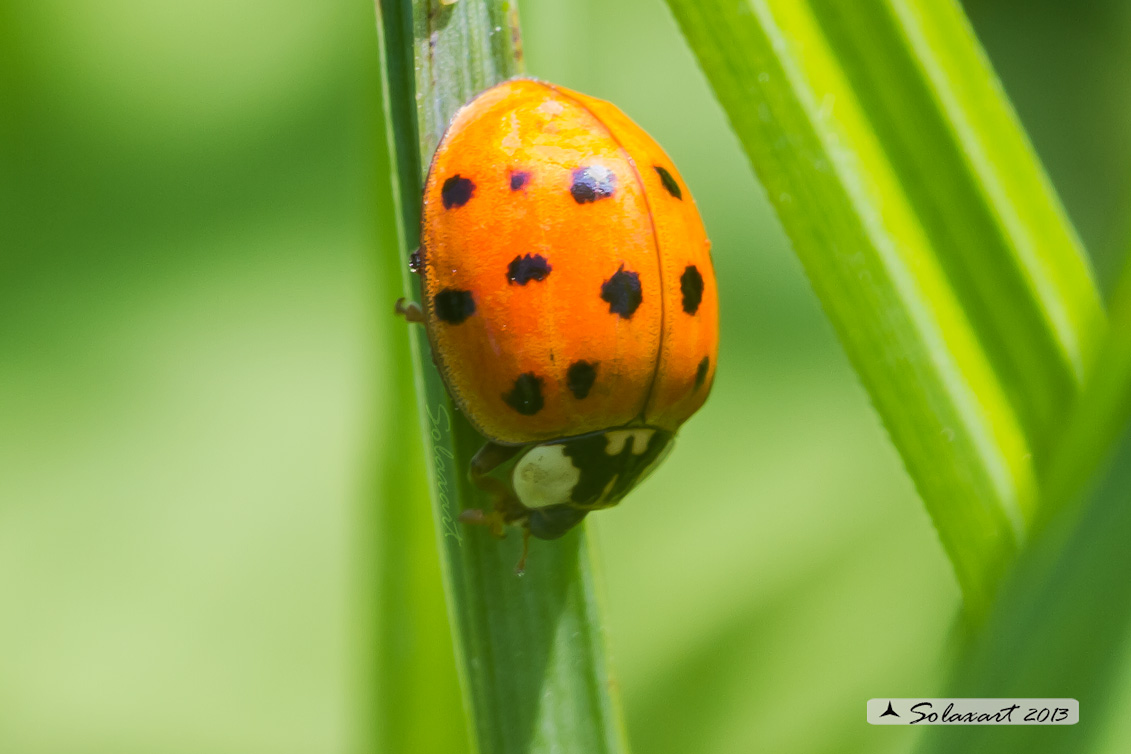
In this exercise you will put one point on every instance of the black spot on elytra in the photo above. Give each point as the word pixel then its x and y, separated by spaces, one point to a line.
pixel 580 378
pixel 592 183
pixel 701 372
pixel 622 292
pixel 519 178
pixel 457 191
pixel 691 284
pixel 454 306
pixel 526 395
pixel 668 180
pixel 522 270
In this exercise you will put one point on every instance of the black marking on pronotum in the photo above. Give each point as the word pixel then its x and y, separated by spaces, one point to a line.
pixel 526 395
pixel 523 269
pixel 519 178
pixel 622 292
pixel 668 180
pixel 691 284
pixel 454 306
pixel 456 191
pixel 701 372
pixel 580 378
pixel 607 478
pixel 592 183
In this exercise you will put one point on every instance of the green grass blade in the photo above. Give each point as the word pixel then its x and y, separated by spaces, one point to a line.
pixel 1102 412
pixel 1065 616
pixel 1067 611
pixel 417 677
pixel 1059 630
pixel 531 650
pixel 417 700
pixel 930 234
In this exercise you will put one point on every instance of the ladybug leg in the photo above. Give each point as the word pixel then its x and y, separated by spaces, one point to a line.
pixel 505 508
pixel 493 521
pixel 410 310
pixel 490 457
pixel 520 566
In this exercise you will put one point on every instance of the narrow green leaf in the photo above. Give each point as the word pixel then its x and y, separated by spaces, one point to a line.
pixel 930 234
pixel 1064 618
pixel 530 650
pixel 1061 627
pixel 416 675
pixel 411 684
pixel 1101 413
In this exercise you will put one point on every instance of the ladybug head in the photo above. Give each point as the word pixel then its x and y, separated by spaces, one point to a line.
pixel 559 481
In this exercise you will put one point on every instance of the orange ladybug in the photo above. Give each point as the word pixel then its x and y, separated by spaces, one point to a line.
pixel 569 298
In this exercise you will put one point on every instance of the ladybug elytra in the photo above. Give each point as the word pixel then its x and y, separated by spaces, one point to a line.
pixel 569 299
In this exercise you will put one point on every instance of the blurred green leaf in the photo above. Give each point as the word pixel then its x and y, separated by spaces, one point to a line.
pixel 531 650
pixel 1065 614
pixel 1101 413
pixel 930 234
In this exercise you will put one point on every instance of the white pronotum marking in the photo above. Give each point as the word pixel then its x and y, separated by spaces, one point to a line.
pixel 545 476
pixel 618 437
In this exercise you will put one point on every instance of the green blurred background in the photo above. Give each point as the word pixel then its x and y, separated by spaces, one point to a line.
pixel 196 389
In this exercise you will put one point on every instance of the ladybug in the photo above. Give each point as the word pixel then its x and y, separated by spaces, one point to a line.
pixel 569 299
